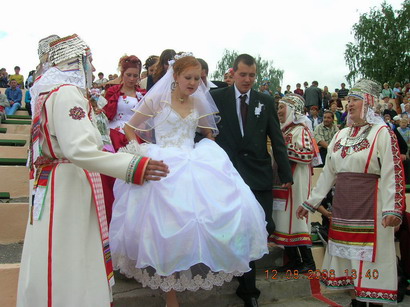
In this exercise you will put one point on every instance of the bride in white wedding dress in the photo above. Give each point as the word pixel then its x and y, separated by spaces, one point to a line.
pixel 199 226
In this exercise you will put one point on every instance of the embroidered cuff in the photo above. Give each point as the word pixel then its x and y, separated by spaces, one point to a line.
pixel 309 207
pixel 136 170
pixel 392 212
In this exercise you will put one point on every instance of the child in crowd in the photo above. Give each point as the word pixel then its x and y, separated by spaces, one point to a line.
pixel 95 91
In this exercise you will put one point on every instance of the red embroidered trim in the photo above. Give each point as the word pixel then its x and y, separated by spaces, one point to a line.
pixel 296 239
pixel 376 294
pixel 356 148
pixel 138 177
pixel 400 199
pixel 344 281
pixel 50 245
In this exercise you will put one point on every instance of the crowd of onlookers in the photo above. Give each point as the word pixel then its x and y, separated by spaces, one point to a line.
pixel 11 98
pixel 320 103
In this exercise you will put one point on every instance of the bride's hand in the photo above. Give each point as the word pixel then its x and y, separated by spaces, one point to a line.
pixel 209 136
pixel 155 170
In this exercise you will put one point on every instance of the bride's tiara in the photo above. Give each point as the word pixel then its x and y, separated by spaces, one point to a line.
pixel 182 55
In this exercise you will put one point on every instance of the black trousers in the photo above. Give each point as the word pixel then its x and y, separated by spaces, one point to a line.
pixel 247 282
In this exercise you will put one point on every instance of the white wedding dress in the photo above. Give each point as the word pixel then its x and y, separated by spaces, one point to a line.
pixel 196 228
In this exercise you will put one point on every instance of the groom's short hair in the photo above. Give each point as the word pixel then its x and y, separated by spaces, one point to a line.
pixel 244 58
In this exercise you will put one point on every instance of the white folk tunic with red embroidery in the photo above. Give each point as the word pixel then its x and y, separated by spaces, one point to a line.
pixel 291 231
pixel 63 264
pixel 377 154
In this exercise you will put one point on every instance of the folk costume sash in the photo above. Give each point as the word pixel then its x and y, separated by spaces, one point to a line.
pixel 352 233
pixel 98 195
pixel 44 166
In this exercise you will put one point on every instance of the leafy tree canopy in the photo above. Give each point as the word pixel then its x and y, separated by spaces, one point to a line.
pixel 381 50
pixel 264 70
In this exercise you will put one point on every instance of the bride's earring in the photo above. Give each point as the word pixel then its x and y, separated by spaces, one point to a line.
pixel 174 85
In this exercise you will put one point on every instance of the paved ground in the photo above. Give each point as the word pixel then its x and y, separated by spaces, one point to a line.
pixel 11 253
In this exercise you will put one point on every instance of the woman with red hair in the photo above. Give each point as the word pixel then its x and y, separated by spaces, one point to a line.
pixel 122 98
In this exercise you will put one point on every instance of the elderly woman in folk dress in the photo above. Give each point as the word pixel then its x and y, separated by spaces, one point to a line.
pixel 66 256
pixel 291 232
pixel 364 162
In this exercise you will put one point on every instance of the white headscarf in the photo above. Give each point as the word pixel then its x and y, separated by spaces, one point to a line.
pixel 368 91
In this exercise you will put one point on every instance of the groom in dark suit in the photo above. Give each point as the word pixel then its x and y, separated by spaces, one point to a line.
pixel 247 119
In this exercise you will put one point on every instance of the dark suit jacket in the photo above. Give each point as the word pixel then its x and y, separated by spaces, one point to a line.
pixel 249 154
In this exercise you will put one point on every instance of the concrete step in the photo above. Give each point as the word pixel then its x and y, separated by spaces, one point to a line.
pixel 16 129
pixel 13 222
pixel 13 152
pixel 15 180
pixel 21 112
pixel 8 284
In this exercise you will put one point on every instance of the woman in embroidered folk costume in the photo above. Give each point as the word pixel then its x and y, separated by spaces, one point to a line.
pixel 66 257
pixel 363 161
pixel 291 232
pixel 202 225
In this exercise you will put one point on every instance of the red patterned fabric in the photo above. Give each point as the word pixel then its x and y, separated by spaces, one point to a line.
pixel 400 195
pixel 138 177
pixel 98 196
pixel 112 95
pixel 376 295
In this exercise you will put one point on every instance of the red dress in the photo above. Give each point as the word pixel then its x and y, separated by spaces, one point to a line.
pixel 114 95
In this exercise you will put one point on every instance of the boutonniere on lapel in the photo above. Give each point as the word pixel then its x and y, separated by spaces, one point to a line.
pixel 258 109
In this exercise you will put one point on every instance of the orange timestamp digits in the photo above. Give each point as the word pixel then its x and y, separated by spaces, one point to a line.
pixel 295 274
pixel 370 274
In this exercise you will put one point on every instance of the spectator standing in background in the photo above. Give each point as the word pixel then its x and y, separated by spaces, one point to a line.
pixel 27 98
pixel 313 96
pixel 314 117
pixel 324 133
pixel 390 110
pixel 326 98
pixel 228 76
pixel 150 67
pixel 161 67
pixel 404 130
pixel 335 97
pixel 387 91
pixel 4 78
pixel 288 91
pixel 342 93
pixel 101 80
pixel 19 78
pixel 298 90
pixel 14 96
pixel 30 78
pixel 306 85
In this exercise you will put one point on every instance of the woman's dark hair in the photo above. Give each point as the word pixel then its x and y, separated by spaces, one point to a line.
pixel 166 55
pixel 152 60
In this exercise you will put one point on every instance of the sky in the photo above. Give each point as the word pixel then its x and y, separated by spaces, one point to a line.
pixel 306 39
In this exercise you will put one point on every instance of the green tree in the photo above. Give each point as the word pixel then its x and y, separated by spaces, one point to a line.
pixel 264 70
pixel 381 50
